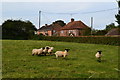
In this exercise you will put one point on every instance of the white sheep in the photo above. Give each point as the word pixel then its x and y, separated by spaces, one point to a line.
pixel 98 55
pixel 37 51
pixel 62 53
pixel 50 50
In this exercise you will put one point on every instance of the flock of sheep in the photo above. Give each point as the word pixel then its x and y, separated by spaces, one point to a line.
pixel 49 50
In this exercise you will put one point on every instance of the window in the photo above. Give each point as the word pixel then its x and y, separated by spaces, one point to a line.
pixel 70 31
pixel 54 31
pixel 62 31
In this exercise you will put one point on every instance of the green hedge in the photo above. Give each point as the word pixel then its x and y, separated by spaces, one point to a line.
pixel 91 40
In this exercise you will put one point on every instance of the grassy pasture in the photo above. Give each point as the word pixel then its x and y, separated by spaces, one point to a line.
pixel 17 61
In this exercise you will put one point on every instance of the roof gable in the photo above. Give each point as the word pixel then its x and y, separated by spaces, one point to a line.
pixel 51 27
pixel 75 25
pixel 114 31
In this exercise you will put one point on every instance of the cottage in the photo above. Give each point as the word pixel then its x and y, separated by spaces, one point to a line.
pixel 74 28
pixel 50 30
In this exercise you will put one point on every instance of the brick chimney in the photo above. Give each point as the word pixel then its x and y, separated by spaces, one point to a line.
pixel 72 19
pixel 46 25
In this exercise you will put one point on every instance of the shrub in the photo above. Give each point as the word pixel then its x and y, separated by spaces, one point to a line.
pixel 91 40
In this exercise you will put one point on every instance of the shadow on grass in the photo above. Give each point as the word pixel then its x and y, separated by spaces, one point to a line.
pixel 61 58
pixel 101 61
pixel 42 55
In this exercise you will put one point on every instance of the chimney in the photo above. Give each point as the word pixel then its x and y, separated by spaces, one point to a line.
pixel 46 25
pixel 72 20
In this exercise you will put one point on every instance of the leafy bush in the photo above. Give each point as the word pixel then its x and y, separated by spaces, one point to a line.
pixel 17 29
pixel 91 40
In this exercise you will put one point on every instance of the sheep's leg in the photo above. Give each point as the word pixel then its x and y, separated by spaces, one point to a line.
pixel 64 56
pixel 45 54
pixel 32 54
pixel 42 53
pixel 50 53
pixel 56 56
pixel 99 59
pixel 39 54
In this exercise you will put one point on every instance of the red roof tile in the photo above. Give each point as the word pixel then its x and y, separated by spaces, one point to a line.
pixel 56 27
pixel 114 31
pixel 74 25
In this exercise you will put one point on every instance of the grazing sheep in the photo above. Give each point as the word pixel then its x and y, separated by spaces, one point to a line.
pixel 45 50
pixel 98 55
pixel 47 46
pixel 62 53
pixel 50 50
pixel 37 51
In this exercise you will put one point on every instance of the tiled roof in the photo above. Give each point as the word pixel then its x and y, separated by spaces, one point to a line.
pixel 74 25
pixel 56 27
pixel 114 31
pixel 70 25
pixel 51 27
pixel 45 27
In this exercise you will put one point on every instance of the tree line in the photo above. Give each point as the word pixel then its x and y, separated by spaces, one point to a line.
pixel 17 29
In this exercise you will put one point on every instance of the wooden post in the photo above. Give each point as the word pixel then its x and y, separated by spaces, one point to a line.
pixel 39 18
pixel 91 24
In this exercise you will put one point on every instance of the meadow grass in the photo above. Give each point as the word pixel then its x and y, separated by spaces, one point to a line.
pixel 17 61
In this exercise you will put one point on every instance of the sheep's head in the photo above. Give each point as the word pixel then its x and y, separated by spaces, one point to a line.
pixel 47 47
pixel 67 50
pixel 51 47
pixel 99 52
pixel 43 47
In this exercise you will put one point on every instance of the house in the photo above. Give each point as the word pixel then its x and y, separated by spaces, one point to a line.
pixel 50 30
pixel 74 28
pixel 113 32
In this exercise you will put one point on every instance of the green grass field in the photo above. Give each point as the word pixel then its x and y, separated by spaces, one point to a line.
pixel 17 61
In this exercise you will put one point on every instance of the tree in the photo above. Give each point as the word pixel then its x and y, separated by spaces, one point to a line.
pixel 94 31
pixel 101 32
pixel 87 31
pixel 118 15
pixel 119 4
pixel 17 29
pixel 60 22
pixel 110 26
pixel 118 19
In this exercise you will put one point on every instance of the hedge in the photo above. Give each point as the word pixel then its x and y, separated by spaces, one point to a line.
pixel 91 40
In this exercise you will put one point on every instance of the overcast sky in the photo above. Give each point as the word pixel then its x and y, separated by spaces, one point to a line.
pixel 29 11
